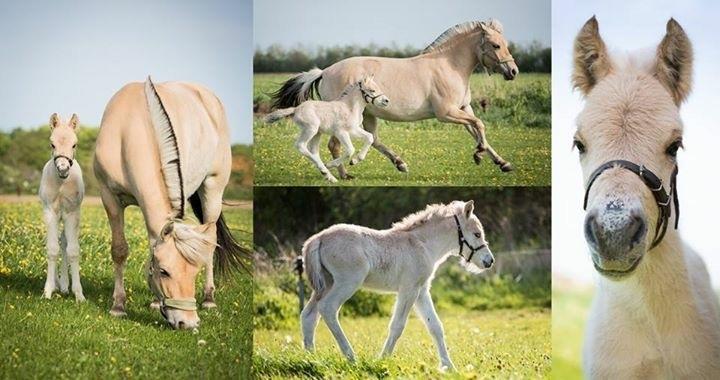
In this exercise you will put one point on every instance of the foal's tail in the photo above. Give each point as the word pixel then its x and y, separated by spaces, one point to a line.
pixel 279 114
pixel 298 89
pixel 313 266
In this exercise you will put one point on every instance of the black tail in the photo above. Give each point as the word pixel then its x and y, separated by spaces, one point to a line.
pixel 291 93
pixel 229 255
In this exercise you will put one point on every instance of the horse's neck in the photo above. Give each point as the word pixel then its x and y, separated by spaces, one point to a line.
pixel 439 237
pixel 354 101
pixel 658 290
pixel 461 56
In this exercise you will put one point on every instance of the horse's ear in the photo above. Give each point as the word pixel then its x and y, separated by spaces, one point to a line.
pixel 54 121
pixel 74 121
pixel 590 57
pixel 167 230
pixel 468 209
pixel 674 62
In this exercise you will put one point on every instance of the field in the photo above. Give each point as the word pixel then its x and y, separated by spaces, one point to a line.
pixel 59 338
pixel 518 127
pixel 570 310
pixel 491 344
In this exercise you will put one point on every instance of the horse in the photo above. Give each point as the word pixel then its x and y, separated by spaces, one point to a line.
pixel 340 118
pixel 160 146
pixel 61 193
pixel 433 84
pixel 655 314
pixel 403 259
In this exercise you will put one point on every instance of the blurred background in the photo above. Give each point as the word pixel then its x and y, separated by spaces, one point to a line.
pixel 517 224
pixel 71 57
pixel 627 26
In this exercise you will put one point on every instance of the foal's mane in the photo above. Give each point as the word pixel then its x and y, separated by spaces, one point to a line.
pixel 422 217
pixel 451 35
pixel 346 91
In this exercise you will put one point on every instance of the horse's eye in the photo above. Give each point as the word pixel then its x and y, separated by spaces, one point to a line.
pixel 74 145
pixel 52 146
pixel 673 148
pixel 579 145
pixel 478 235
pixel 496 46
pixel 164 273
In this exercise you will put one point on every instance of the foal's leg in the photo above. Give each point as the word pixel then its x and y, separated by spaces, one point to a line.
pixel 119 247
pixel 53 250
pixel 62 277
pixel 306 136
pixel 426 310
pixel 72 221
pixel 405 299
pixel 309 319
pixel 348 149
pixel 367 138
pixel 329 306
pixel 460 116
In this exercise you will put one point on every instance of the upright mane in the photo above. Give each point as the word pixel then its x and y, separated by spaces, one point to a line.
pixel 421 217
pixel 168 147
pixel 463 29
pixel 346 91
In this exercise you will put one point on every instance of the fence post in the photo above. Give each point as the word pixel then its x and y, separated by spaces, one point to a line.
pixel 301 284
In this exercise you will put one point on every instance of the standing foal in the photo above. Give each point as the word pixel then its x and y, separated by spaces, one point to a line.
pixel 61 192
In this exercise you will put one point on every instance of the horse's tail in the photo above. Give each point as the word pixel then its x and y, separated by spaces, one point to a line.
pixel 229 254
pixel 279 115
pixel 298 89
pixel 313 266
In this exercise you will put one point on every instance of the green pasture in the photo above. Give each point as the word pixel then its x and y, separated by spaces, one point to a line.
pixel 570 311
pixel 60 338
pixel 518 127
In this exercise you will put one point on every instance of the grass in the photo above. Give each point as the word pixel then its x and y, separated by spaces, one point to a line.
pixel 570 311
pixel 492 344
pixel 59 338
pixel 518 127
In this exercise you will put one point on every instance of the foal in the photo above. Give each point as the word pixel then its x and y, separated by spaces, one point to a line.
pixel 403 259
pixel 341 118
pixel 61 192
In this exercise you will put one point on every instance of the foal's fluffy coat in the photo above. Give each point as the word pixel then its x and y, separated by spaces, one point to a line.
pixel 403 260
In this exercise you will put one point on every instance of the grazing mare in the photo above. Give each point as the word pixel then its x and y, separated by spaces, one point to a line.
pixel 403 259
pixel 158 147
pixel 61 191
pixel 433 84
pixel 655 315
pixel 341 118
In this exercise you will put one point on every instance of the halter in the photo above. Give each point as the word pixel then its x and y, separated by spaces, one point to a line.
pixel 366 95
pixel 188 304
pixel 55 158
pixel 486 53
pixel 662 198
pixel 462 242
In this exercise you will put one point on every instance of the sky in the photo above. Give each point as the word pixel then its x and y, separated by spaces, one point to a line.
pixel 627 26
pixel 72 56
pixel 404 22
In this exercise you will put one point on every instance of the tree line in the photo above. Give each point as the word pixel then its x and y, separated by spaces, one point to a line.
pixel 533 57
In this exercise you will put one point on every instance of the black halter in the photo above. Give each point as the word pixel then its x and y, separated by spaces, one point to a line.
pixel 662 198
pixel 462 242
pixel 367 96
pixel 55 158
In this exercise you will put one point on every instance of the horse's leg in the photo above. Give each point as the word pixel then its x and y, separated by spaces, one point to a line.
pixel 53 250
pixel 480 149
pixel 62 277
pixel 459 116
pixel 329 306
pixel 405 299
pixel 370 124
pixel 426 310
pixel 368 139
pixel 72 221
pixel 335 149
pixel 211 193
pixel 309 319
pixel 348 149
pixel 484 145
pixel 306 136
pixel 119 247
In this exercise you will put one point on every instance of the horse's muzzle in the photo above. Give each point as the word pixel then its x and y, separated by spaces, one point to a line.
pixel 616 237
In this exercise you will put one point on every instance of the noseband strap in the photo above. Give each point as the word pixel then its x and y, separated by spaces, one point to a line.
pixel 188 304
pixel 62 156
pixel 462 242
pixel 367 96
pixel 655 184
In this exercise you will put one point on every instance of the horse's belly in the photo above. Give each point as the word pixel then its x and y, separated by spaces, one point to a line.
pixel 402 113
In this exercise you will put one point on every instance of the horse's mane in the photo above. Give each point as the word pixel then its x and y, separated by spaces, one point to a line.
pixel 192 245
pixel 451 34
pixel 421 217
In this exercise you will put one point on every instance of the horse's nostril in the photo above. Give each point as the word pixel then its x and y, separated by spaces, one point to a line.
pixel 181 324
pixel 591 229
pixel 637 229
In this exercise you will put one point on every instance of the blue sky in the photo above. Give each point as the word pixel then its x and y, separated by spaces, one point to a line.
pixel 72 56
pixel 404 22
pixel 629 26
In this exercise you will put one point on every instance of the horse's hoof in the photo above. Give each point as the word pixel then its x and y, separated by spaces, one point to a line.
pixel 477 157
pixel 79 297
pixel 332 179
pixel 506 167
pixel 118 312
pixel 209 305
pixel 401 166
pixel 347 177
pixel 47 295
pixel 155 305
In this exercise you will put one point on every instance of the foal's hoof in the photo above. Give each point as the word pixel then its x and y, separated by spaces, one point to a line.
pixel 118 311
pixel 506 167
pixel 155 305
pixel 401 165
pixel 477 157
pixel 347 176
pixel 79 298
pixel 209 305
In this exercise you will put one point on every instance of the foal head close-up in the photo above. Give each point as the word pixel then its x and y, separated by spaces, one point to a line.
pixel 475 254
pixel 371 92
pixel 177 257
pixel 493 51
pixel 631 113
pixel 63 142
